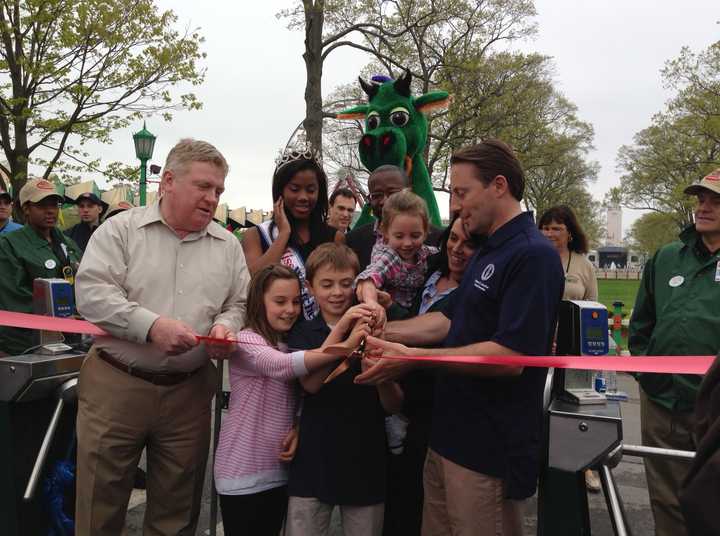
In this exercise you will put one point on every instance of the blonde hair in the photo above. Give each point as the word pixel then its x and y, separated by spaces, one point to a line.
pixel 407 203
pixel 188 150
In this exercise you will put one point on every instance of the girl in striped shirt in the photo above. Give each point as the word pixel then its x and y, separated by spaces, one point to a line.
pixel 250 475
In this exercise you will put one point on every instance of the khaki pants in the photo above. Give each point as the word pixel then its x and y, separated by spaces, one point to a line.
pixel 118 416
pixel 670 430
pixel 461 502
pixel 307 516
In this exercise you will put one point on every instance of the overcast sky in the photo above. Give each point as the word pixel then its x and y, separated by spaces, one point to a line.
pixel 607 54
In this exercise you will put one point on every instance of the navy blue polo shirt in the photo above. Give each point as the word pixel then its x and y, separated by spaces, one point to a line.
pixel 509 295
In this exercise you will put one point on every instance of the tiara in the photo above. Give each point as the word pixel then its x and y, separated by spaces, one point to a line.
pixel 291 154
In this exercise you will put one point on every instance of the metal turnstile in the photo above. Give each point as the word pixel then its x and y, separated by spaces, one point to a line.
pixel 579 438
pixel 37 425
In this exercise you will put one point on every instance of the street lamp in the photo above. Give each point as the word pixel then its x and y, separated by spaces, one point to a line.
pixel 144 145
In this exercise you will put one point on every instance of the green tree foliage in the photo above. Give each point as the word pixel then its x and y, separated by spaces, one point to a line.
pixel 420 34
pixel 510 96
pixel 73 71
pixel 652 231
pixel 682 144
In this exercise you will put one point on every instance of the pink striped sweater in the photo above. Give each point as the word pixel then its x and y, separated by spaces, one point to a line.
pixel 263 401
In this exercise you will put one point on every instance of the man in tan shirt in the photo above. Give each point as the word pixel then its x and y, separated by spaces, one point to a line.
pixel 155 278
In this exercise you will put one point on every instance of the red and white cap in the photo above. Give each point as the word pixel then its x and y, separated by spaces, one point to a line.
pixel 35 190
pixel 708 182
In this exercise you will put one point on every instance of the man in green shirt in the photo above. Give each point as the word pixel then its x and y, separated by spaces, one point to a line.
pixel 677 312
pixel 38 249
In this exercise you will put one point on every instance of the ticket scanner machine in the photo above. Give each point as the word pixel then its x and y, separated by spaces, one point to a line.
pixel 582 330
pixel 583 429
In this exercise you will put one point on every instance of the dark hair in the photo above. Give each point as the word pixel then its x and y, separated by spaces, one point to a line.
pixel 491 158
pixel 341 192
pixel 284 174
pixel 391 168
pixel 564 214
pixel 337 256
pixel 439 261
pixel 255 312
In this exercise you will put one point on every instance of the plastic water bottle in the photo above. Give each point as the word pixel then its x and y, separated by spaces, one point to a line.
pixel 600 385
pixel 610 381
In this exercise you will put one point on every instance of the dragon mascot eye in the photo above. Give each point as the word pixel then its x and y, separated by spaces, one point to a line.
pixel 396 133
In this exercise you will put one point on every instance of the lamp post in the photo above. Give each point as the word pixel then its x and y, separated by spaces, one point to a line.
pixel 144 145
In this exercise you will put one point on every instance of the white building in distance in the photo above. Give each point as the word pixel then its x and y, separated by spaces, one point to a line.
pixel 614 226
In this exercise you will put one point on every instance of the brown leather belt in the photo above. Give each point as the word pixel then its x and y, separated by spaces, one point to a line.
pixel 156 378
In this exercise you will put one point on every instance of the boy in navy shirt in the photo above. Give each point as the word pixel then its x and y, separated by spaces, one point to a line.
pixel 340 459
pixel 484 453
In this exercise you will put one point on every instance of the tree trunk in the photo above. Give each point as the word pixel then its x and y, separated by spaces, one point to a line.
pixel 18 178
pixel 18 159
pixel 314 20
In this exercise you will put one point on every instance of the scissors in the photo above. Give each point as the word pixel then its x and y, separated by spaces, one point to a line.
pixel 357 353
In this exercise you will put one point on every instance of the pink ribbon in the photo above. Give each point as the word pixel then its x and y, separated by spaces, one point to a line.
pixel 667 364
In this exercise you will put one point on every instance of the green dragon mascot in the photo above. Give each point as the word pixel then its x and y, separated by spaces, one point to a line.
pixel 396 133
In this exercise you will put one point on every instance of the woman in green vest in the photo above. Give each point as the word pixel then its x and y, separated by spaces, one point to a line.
pixel 39 249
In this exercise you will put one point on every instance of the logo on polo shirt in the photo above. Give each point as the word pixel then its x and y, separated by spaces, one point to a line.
pixel 486 274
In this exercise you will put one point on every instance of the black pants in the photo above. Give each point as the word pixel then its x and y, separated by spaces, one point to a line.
pixel 405 496
pixel 259 514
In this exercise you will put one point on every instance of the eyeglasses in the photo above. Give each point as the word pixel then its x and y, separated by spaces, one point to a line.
pixel 379 196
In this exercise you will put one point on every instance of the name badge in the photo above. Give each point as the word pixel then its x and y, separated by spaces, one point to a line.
pixel 717 272
pixel 676 281
pixel 50 264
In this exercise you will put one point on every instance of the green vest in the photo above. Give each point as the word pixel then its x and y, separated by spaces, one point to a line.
pixel 25 256
pixel 677 312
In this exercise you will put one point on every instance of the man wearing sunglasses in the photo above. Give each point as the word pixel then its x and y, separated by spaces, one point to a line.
pixel 38 249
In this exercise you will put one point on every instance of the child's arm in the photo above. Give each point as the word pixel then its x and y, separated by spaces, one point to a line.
pixel 360 312
pixel 390 393
pixel 313 382
pixel 391 396
pixel 289 444
pixel 259 357
pixel 367 291
pixel 385 262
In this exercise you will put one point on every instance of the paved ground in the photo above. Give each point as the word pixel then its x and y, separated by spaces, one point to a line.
pixel 629 475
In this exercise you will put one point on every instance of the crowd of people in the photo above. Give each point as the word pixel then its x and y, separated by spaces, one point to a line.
pixel 400 446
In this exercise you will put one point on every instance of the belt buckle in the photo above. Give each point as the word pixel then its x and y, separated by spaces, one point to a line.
pixel 157 377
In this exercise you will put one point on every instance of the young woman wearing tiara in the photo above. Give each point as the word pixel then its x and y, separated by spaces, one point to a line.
pixel 300 205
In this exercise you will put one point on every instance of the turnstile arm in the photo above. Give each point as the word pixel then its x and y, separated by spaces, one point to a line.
pixel 63 393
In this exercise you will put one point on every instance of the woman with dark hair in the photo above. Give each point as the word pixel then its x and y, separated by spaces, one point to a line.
pixel 300 205
pixel 561 227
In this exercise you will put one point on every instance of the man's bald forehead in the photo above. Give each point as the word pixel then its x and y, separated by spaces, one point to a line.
pixel 389 171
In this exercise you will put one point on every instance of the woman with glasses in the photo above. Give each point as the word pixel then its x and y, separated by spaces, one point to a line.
pixel 298 226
